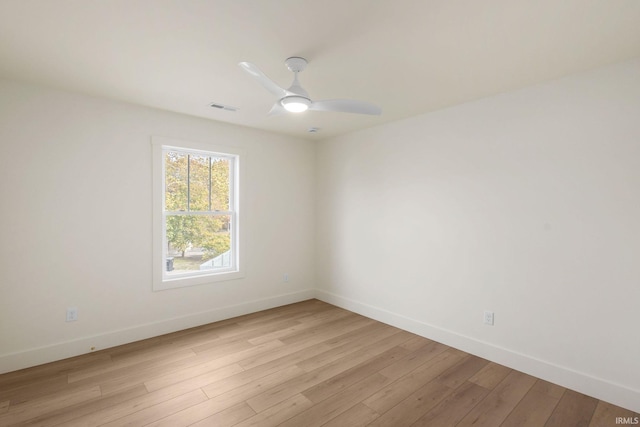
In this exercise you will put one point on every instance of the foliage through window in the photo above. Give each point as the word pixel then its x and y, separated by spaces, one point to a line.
pixel 199 213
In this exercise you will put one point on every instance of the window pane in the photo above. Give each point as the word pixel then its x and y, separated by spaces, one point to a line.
pixel 220 184
pixel 175 194
pixel 198 183
pixel 198 242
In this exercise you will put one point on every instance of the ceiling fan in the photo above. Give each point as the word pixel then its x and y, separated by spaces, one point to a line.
pixel 295 99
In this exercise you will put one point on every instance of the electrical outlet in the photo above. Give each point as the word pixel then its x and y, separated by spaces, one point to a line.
pixel 488 318
pixel 72 314
pixel 285 277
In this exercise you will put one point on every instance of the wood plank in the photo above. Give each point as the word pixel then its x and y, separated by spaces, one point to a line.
pixel 352 321
pixel 228 417
pixel 428 351
pixel 33 408
pixel 398 390
pixel 132 353
pixel 338 403
pixel 24 385
pixel 278 413
pixel 500 402
pixel 240 355
pixel 607 414
pixel 288 360
pixel 490 376
pixel 244 377
pixel 454 407
pixel 186 367
pixel 63 415
pixel 196 382
pixel 20 392
pixel 122 409
pixel 208 410
pixel 198 378
pixel 258 324
pixel 159 411
pixel 303 323
pixel 574 409
pixel 548 388
pixel 414 406
pixel 154 348
pixel 36 374
pixel 337 383
pixel 356 416
pixel 257 380
pixel 247 391
pixel 296 385
pixel 222 346
pixel 534 409
pixel 245 336
pixel 346 344
pixel 300 343
pixel 415 342
pixel 460 373
pixel 94 375
pixel 323 352
pixel 151 374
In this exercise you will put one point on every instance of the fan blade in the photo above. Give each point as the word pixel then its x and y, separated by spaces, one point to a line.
pixel 277 109
pixel 265 81
pixel 346 106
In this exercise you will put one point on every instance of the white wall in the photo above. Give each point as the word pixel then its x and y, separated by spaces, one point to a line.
pixel 75 224
pixel 526 204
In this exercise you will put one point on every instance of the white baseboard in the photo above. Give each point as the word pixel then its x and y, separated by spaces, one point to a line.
pixel 599 388
pixel 50 353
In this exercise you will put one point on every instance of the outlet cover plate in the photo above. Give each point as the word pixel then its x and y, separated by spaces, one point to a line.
pixel 488 317
pixel 72 314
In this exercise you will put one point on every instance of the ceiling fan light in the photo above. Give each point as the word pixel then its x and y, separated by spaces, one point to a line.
pixel 295 104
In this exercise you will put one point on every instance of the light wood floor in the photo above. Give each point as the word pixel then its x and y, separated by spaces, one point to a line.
pixel 302 365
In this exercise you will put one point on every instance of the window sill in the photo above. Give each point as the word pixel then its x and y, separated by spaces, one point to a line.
pixel 181 282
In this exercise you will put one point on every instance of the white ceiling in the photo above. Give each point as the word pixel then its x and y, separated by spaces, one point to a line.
pixel 409 57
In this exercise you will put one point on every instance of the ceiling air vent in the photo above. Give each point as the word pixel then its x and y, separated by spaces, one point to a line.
pixel 223 107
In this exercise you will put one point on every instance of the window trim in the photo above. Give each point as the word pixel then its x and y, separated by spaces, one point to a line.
pixel 160 281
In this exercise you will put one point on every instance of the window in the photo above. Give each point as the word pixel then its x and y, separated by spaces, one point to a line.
pixel 196 214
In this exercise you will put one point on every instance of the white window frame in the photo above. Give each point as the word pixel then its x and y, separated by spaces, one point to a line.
pixel 161 280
